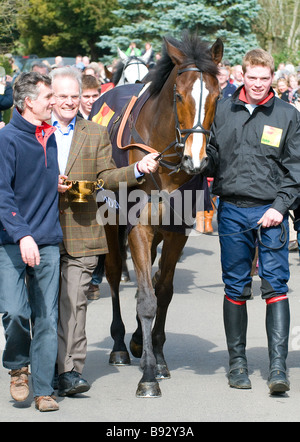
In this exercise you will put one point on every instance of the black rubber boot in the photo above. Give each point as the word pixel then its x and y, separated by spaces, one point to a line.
pixel 235 322
pixel 278 325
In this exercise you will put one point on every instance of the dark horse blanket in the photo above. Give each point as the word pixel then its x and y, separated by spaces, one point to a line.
pixel 108 111
pixel 182 204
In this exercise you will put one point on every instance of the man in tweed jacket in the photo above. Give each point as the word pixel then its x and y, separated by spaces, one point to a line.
pixel 84 153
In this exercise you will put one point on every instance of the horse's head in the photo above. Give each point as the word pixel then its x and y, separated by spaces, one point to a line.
pixel 196 90
pixel 133 68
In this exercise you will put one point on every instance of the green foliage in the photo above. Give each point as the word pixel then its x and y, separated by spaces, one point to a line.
pixel 8 27
pixel 278 29
pixel 143 21
pixel 287 56
pixel 98 27
pixel 53 27
pixel 5 64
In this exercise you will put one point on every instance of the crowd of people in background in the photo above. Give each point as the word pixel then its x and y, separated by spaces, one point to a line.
pixel 286 79
pixel 102 74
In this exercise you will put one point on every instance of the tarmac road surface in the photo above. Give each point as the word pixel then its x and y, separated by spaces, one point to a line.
pixel 195 350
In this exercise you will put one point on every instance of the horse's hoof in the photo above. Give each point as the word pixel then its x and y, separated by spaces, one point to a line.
pixel 148 390
pixel 162 372
pixel 136 349
pixel 119 358
pixel 125 277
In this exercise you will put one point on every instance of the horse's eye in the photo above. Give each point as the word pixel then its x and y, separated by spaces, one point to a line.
pixel 179 97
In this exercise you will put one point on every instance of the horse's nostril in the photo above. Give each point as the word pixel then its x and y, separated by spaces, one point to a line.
pixel 188 159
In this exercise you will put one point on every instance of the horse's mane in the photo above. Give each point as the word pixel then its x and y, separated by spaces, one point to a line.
pixel 197 52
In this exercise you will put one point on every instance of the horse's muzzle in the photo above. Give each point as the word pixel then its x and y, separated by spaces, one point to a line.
pixel 187 165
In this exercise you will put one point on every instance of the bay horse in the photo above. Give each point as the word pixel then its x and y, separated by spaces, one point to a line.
pixel 176 120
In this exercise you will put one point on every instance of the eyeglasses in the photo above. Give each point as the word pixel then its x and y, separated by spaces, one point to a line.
pixel 63 98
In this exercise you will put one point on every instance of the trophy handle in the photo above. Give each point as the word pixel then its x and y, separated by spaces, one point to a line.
pixel 99 183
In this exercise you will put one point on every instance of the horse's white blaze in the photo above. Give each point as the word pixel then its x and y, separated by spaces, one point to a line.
pixel 198 138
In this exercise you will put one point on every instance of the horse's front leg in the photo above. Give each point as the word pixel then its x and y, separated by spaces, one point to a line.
pixel 172 247
pixel 140 240
pixel 136 343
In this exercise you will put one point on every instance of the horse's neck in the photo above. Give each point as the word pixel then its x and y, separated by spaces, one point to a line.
pixel 161 124
pixel 156 125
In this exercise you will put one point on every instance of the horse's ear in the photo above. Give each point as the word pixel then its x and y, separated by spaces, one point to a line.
pixel 217 51
pixel 176 55
pixel 146 56
pixel 122 55
pixel 108 74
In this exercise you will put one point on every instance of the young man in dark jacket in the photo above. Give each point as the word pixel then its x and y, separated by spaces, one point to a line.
pixel 254 157
pixel 30 234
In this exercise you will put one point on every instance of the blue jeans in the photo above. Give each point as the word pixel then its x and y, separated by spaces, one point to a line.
pixel 238 251
pixel 26 294
pixel 99 271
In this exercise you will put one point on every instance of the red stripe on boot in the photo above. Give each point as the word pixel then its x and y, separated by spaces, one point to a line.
pixel 235 302
pixel 275 299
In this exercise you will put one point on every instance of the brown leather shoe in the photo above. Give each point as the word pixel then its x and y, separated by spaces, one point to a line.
pixel 46 403
pixel 19 388
pixel 93 292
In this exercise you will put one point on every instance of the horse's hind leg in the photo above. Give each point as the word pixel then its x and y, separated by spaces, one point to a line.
pixel 123 250
pixel 113 269
pixel 172 248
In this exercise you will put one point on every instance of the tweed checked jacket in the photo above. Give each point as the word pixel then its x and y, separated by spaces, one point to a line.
pixel 90 158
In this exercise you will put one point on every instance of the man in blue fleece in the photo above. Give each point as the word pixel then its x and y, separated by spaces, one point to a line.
pixel 30 234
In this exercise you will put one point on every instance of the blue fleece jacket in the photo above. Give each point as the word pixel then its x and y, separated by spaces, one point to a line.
pixel 28 183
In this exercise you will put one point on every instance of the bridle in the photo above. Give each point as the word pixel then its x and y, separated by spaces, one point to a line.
pixel 183 134
pixel 133 60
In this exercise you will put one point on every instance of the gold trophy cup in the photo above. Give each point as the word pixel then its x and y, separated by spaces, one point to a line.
pixel 80 190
